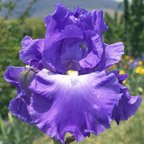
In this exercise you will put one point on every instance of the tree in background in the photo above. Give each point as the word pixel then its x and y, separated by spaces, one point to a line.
pixel 26 13
pixel 134 26
pixel 128 27
pixel 126 18
pixel 8 7
pixel 116 28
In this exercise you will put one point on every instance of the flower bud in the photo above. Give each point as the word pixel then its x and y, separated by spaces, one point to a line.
pixel 26 77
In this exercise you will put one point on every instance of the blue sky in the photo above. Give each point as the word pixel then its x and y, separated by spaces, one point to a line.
pixel 119 0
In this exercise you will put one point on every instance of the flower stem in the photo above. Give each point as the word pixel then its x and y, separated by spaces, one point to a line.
pixel 68 140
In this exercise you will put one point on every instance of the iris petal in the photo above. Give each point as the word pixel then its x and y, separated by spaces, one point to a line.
pixel 90 61
pixel 17 77
pixel 75 104
pixel 64 26
pixel 12 74
pixel 31 52
pixel 128 105
pixel 18 108
pixel 113 53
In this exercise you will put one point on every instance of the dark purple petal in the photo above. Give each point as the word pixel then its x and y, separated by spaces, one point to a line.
pixel 78 12
pixel 59 17
pixel 57 29
pixel 128 105
pixel 65 55
pixel 93 20
pixel 100 24
pixel 77 104
pixel 12 75
pixel 63 26
pixel 31 52
pixel 21 78
pixel 121 77
pixel 18 107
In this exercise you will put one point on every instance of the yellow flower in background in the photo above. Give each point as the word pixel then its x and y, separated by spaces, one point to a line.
pixel 127 57
pixel 122 72
pixel 139 70
pixel 140 63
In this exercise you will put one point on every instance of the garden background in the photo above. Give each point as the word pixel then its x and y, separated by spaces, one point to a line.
pixel 126 24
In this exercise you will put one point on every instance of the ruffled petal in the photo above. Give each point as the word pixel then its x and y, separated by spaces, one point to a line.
pixel 110 56
pixel 128 105
pixel 61 38
pixel 21 78
pixel 113 53
pixel 94 56
pixel 57 27
pixel 31 52
pixel 94 20
pixel 100 24
pixel 77 104
pixel 121 77
pixel 12 75
pixel 64 55
pixel 63 26
pixel 59 16
pixel 90 61
pixel 79 11
pixel 18 107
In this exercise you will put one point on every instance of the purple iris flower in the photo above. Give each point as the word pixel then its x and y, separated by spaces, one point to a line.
pixel 73 41
pixel 66 87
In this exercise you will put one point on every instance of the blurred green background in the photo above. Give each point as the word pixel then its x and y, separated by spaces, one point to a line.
pixel 126 23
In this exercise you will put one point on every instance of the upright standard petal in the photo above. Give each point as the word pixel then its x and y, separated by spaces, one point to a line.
pixel 61 38
pixel 84 28
pixel 77 104
pixel 94 20
pixel 31 52
pixel 65 55
pixel 111 55
pixel 93 58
